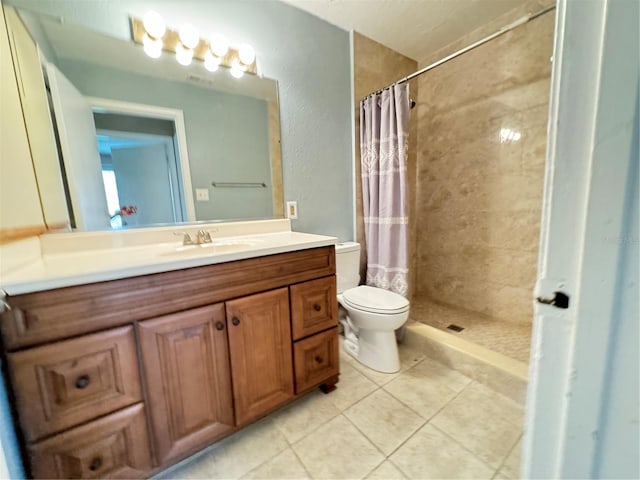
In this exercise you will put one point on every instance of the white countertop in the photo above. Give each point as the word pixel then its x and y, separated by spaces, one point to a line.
pixel 56 270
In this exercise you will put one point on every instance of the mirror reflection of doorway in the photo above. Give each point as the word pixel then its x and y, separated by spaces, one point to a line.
pixel 140 172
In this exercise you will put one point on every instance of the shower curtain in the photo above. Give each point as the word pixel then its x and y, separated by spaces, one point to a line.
pixel 384 147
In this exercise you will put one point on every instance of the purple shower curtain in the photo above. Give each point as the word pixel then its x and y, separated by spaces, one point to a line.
pixel 384 147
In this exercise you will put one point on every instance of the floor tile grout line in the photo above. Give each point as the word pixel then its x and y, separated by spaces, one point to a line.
pixel 301 462
pixel 504 460
pixel 366 437
pixel 474 455
pixel 421 427
pixel 315 429
pixel 437 411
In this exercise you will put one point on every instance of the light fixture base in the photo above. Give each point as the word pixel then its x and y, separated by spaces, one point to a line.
pixel 171 40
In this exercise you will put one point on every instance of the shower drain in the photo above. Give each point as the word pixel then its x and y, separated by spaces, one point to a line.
pixel 455 328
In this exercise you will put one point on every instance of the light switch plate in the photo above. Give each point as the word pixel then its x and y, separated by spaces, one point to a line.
pixel 202 194
pixel 292 210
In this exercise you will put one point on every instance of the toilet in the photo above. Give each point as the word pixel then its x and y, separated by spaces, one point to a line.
pixel 371 314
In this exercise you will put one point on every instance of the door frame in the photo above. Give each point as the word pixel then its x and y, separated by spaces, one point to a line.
pixel 161 113
pixel 585 204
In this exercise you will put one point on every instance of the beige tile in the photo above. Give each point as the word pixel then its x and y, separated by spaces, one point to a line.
pixel 238 454
pixel 305 415
pixel 408 358
pixel 386 471
pixel 337 450
pixel 427 387
pixel 483 421
pixel 384 420
pixel 284 466
pixel 352 387
pixel 511 467
pixel 432 454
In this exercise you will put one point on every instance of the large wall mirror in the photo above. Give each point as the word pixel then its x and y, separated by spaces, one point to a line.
pixel 142 141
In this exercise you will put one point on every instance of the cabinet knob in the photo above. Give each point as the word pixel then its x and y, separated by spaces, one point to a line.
pixel 219 326
pixel 82 382
pixel 318 359
pixel 235 321
pixel 317 307
pixel 95 464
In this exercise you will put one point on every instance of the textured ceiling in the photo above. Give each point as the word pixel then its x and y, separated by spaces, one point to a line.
pixel 414 28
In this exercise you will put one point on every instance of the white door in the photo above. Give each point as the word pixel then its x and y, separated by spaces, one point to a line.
pixel 583 402
pixel 77 133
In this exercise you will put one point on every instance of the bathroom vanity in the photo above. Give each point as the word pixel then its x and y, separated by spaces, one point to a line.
pixel 126 376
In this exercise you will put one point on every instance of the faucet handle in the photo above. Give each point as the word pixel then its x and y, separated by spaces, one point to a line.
pixel 186 238
pixel 204 236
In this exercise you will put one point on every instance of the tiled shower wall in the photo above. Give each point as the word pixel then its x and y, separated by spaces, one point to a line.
pixel 482 121
pixel 375 67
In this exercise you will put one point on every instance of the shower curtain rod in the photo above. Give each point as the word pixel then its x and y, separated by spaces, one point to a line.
pixel 511 26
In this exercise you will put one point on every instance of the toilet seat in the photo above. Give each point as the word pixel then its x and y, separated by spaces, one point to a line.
pixel 375 300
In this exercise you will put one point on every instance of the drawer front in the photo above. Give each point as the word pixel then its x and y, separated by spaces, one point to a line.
pixel 40 317
pixel 316 359
pixel 314 306
pixel 115 446
pixel 66 383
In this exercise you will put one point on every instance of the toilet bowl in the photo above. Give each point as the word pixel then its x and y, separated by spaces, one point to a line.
pixel 372 314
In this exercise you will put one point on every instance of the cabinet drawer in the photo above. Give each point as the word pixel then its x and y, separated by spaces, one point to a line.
pixel 115 446
pixel 60 385
pixel 316 359
pixel 314 306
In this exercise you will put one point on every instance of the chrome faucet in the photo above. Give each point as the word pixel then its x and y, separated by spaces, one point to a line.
pixel 202 236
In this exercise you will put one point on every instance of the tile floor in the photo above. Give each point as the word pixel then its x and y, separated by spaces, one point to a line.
pixel 426 421
pixel 512 339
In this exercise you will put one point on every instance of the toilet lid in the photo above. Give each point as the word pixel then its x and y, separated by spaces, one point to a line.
pixel 376 300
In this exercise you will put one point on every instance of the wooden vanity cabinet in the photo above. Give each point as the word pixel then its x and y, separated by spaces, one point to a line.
pixel 126 377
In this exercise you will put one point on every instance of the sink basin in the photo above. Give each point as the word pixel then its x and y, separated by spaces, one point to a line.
pixel 218 247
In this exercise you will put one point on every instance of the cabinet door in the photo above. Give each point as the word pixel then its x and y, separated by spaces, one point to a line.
pixel 260 345
pixel 186 364
pixel 115 446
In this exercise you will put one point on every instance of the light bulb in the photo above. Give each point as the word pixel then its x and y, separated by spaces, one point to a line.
pixel 189 36
pixel 246 54
pixel 218 45
pixel 211 62
pixel 183 55
pixel 154 24
pixel 152 48
pixel 236 69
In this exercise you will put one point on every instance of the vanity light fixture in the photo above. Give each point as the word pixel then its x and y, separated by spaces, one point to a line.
pixel 236 69
pixel 154 25
pixel 155 29
pixel 218 45
pixel 246 54
pixel 189 39
pixel 153 34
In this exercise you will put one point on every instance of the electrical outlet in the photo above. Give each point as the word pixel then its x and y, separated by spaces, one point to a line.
pixel 202 194
pixel 292 210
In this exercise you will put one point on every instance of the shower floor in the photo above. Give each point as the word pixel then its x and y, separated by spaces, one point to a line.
pixel 512 339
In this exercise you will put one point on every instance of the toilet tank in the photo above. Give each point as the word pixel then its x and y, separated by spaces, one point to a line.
pixel 347 265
